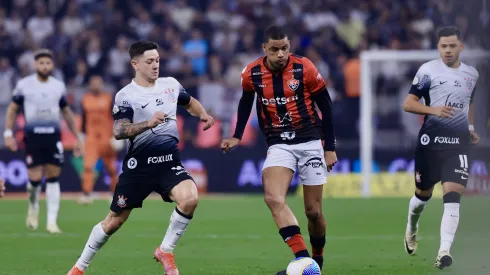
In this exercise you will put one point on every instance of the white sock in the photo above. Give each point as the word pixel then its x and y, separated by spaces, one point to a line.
pixel 415 209
pixel 449 225
pixel 95 242
pixel 176 229
pixel 34 193
pixel 53 201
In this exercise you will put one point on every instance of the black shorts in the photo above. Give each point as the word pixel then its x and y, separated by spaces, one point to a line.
pixel 43 149
pixel 433 166
pixel 147 173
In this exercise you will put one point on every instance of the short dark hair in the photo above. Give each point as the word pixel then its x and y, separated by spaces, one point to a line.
pixel 43 53
pixel 448 31
pixel 140 47
pixel 274 32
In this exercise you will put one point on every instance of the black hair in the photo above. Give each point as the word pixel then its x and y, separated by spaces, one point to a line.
pixel 140 47
pixel 43 53
pixel 274 32
pixel 448 31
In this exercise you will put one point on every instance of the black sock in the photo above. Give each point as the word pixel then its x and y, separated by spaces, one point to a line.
pixel 317 245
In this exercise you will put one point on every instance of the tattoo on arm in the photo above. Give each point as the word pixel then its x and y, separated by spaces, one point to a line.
pixel 70 120
pixel 123 128
pixel 10 116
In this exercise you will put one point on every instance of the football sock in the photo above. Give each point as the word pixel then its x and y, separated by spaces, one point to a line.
pixel 415 209
pixel 178 223
pixel 450 220
pixel 34 190
pixel 52 199
pixel 95 242
pixel 292 236
pixel 317 245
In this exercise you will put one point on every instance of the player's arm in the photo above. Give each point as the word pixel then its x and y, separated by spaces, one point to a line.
pixel 244 109
pixel 12 109
pixel 69 117
pixel 324 102
pixel 420 88
pixel 475 138
pixel 194 107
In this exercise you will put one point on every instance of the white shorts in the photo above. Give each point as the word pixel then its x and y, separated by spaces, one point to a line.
pixel 308 156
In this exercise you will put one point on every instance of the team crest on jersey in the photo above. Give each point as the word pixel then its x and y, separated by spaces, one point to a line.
pixel 293 84
pixel 469 83
pixel 121 201
pixel 29 159
pixel 418 177
pixel 171 95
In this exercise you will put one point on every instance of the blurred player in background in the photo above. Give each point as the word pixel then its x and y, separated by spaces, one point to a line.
pixel 287 88
pixel 145 113
pixel 99 143
pixel 442 154
pixel 42 97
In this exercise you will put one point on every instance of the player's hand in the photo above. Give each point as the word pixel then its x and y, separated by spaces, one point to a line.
pixel 2 188
pixel 78 148
pixel 11 144
pixel 208 121
pixel 474 138
pixel 229 143
pixel 157 119
pixel 444 111
pixel 330 159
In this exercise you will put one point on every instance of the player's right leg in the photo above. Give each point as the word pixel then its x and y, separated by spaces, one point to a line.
pixel 98 237
pixel 277 174
pixel 34 190
pixel 426 176
pixel 130 193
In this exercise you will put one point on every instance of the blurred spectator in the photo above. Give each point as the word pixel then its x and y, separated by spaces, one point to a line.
pixel 7 77
pixel 41 25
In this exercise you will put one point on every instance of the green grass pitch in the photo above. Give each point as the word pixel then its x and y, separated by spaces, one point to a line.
pixel 236 235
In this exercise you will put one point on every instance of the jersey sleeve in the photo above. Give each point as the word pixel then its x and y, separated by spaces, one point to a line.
pixel 314 80
pixel 184 98
pixel 122 107
pixel 246 80
pixel 421 82
pixel 63 101
pixel 18 94
pixel 474 87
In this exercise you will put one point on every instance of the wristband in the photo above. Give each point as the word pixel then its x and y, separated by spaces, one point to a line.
pixel 8 133
pixel 471 127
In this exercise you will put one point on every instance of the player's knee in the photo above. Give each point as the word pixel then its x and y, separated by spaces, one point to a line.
pixel 35 183
pixel 452 197
pixel 423 196
pixel 313 214
pixel 274 202
pixel 87 169
pixel 188 204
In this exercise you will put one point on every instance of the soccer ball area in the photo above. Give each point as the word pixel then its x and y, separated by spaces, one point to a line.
pixel 236 235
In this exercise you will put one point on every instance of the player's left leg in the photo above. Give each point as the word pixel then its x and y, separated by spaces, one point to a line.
pixel 53 197
pixel 185 195
pixel 454 180
pixel 317 225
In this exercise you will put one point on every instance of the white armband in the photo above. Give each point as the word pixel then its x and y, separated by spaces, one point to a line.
pixel 472 128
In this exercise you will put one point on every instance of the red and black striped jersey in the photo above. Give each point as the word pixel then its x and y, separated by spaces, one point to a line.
pixel 285 107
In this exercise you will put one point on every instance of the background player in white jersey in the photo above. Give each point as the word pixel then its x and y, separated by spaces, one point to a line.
pixel 42 97
pixel 448 87
pixel 145 114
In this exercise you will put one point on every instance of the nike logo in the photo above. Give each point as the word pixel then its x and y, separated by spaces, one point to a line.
pixel 180 234
pixel 442 82
pixel 89 246
pixel 464 178
pixel 409 251
pixel 143 106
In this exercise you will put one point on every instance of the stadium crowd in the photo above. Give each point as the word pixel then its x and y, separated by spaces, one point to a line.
pixel 206 43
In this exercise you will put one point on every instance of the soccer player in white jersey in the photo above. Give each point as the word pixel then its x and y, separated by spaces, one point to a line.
pixel 145 114
pixel 448 88
pixel 42 97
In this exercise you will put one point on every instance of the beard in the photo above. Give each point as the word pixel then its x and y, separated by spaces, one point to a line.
pixel 43 75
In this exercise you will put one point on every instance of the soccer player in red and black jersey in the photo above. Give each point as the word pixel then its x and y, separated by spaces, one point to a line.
pixel 287 88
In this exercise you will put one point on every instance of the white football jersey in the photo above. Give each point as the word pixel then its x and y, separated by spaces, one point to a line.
pixel 41 102
pixel 138 104
pixel 440 85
